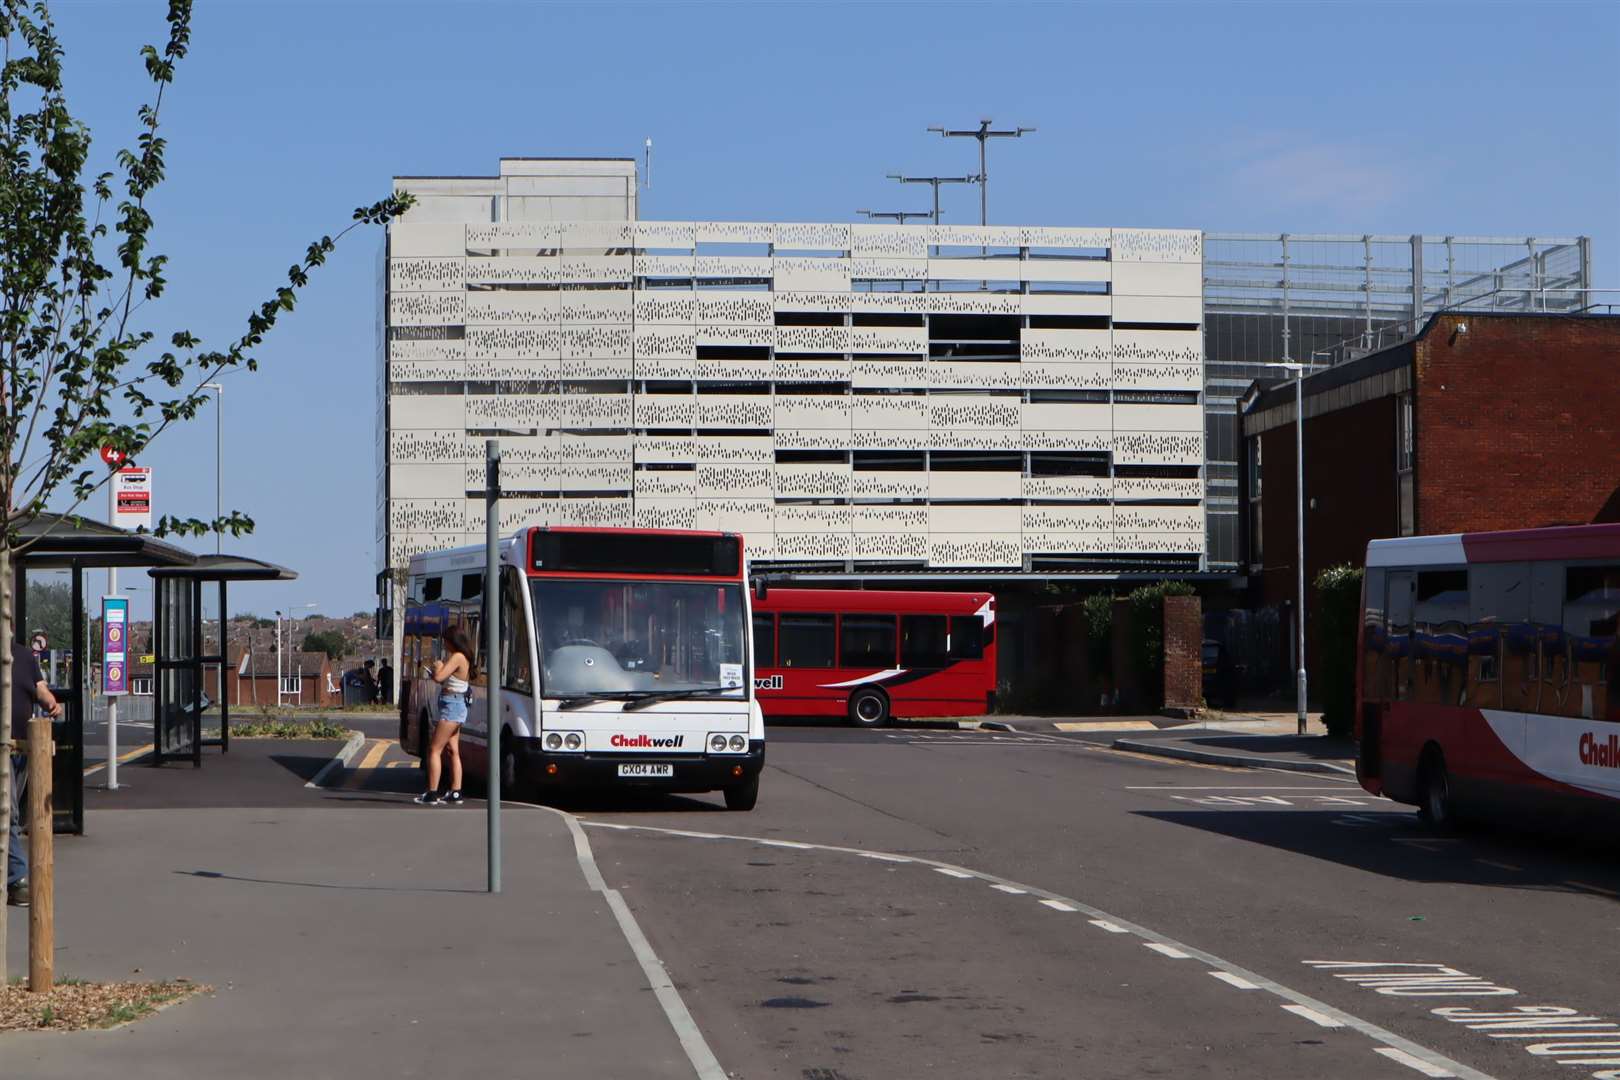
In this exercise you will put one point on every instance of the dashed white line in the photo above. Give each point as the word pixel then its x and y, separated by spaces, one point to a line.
pixel 1500 865
pixel 1168 950
pixel 1310 1008
pixel 1013 889
pixel 1319 1019
pixel 948 872
pixel 1411 1062
pixel 1235 980
pixel 787 844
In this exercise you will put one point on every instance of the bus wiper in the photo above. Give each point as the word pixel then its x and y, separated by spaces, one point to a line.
pixel 579 701
pixel 653 696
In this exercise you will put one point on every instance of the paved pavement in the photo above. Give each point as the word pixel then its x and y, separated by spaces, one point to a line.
pixel 342 942
pixel 909 902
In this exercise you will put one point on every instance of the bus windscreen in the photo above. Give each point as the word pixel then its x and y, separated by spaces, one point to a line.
pixel 633 553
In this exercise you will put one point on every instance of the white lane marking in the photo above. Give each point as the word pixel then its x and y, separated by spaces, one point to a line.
pixel 1313 1016
pixel 1500 865
pixel 1168 950
pixel 1058 905
pixel 704 1063
pixel 1222 787
pixel 1336 1016
pixel 341 761
pixel 1112 928
pixel 948 872
pixel 786 844
pixel 1233 980
pixel 1010 889
pixel 1411 1062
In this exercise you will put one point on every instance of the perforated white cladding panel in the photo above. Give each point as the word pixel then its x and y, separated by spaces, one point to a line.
pixel 551 335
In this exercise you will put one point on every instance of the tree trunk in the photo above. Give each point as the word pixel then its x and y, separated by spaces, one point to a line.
pixel 6 675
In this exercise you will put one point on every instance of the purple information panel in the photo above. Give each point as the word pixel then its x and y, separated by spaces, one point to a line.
pixel 114 645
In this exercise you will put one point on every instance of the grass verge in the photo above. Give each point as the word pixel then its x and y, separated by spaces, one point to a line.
pixel 78 1004
pixel 285 729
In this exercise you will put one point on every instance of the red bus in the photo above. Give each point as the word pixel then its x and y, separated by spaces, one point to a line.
pixel 1488 673
pixel 873 655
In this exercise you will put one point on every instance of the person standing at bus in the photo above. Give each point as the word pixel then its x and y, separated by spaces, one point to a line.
pixel 28 688
pixel 453 674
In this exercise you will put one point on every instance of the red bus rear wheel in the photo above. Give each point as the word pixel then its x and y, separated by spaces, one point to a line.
pixel 1435 806
pixel 869 708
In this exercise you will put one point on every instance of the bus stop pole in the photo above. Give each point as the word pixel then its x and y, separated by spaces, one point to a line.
pixel 112 700
pixel 492 649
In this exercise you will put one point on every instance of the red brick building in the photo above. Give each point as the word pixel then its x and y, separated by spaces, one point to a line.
pixel 1480 422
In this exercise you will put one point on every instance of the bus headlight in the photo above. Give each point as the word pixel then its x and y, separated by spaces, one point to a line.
pixel 572 740
pixel 554 741
pixel 717 743
pixel 738 744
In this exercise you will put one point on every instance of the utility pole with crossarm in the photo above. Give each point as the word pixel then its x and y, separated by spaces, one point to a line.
pixel 984 133
pixel 934 182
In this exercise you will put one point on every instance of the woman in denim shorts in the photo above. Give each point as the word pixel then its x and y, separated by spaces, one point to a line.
pixel 453 673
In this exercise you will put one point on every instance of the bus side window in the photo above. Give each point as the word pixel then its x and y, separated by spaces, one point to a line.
pixel 923 641
pixel 1498 625
pixel 1374 640
pixel 1400 634
pixel 432 589
pixel 516 673
pixel 1441 635
pixel 867 641
pixel 1592 621
pixel 806 641
pixel 764 639
pixel 968 637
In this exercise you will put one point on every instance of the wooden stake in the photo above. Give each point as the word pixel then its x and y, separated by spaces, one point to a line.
pixel 41 859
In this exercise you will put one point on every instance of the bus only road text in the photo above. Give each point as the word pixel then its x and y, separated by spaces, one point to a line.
pixel 1563 1034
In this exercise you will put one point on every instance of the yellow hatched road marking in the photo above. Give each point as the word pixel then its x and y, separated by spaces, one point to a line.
pixel 122 758
pixel 373 756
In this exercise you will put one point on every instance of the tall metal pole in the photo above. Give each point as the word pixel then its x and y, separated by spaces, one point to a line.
pixel 112 701
pixel 1299 515
pixel 492 648
pixel 934 182
pixel 219 465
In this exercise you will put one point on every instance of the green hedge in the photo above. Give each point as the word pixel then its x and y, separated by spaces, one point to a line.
pixel 1338 597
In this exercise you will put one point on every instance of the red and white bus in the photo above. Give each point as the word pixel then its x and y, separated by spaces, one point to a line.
pixel 1488 676
pixel 873 655
pixel 625 660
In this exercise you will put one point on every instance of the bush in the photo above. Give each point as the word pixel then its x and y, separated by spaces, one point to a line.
pixel 1338 598
pixel 1098 612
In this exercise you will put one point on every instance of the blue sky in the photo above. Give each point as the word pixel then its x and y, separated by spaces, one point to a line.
pixel 1466 119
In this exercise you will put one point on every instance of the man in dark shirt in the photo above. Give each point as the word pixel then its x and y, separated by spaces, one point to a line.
pixel 385 683
pixel 28 689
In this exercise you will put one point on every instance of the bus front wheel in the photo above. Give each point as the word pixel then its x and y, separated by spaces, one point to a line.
pixel 869 708
pixel 1435 805
pixel 743 796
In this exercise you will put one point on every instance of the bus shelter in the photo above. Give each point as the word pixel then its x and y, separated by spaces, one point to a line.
pixel 60 542
pixel 181 655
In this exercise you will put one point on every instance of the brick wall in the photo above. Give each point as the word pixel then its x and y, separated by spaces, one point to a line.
pixel 1183 652
pixel 1518 423
pixel 1350 472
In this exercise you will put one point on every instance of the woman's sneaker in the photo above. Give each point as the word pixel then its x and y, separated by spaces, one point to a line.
pixel 429 798
pixel 453 798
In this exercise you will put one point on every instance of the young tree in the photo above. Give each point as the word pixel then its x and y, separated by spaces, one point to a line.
pixel 80 369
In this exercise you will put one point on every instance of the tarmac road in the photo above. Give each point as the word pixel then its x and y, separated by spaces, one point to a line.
pixel 942 903
pixel 820 964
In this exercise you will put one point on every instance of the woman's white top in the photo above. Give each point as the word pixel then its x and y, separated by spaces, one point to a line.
pixel 454 686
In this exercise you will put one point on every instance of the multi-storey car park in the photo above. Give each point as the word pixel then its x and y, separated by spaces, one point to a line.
pixel 868 400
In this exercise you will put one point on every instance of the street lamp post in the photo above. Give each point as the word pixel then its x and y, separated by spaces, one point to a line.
pixel 219 467
pixel 1298 371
